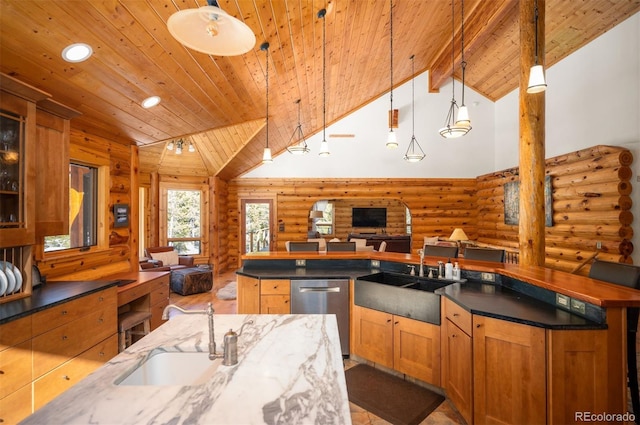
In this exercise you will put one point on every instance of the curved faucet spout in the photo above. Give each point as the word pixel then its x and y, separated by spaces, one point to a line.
pixel 209 312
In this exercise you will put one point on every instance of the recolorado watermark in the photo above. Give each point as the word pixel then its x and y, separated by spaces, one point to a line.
pixel 604 417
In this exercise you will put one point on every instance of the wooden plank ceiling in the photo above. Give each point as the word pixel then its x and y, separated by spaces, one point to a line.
pixel 218 103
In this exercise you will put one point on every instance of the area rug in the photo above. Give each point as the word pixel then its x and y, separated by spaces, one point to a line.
pixel 228 292
pixel 389 397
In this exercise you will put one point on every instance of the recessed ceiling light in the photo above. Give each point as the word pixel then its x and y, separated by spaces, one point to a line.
pixel 77 52
pixel 150 102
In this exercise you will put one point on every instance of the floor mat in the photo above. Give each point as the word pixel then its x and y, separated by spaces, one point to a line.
pixel 391 398
pixel 228 292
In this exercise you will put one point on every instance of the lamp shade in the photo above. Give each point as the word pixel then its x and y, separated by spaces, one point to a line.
pixel 392 141
pixel 537 82
pixel 266 156
pixel 316 214
pixel 211 30
pixel 458 235
pixel 324 148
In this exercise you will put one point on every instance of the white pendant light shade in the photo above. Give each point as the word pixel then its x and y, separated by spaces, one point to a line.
pixel 453 131
pixel 463 118
pixel 392 141
pixel 324 148
pixel 266 156
pixel 537 82
pixel 211 30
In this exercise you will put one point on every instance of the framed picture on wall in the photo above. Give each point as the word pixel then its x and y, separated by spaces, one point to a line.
pixel 512 202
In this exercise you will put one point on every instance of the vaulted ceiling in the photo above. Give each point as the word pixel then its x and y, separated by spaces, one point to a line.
pixel 218 103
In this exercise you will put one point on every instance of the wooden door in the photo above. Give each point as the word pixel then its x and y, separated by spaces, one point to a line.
pixel 509 376
pixel 373 335
pixel 416 349
pixel 458 369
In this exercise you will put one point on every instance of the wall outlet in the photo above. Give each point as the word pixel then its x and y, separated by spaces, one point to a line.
pixel 375 264
pixel 578 306
pixel 563 301
pixel 488 277
pixel 301 263
pixel 598 244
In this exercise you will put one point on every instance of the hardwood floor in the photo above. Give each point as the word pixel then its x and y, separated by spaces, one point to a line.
pixel 444 414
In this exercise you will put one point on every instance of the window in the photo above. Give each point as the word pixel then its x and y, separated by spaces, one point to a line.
pixel 407 217
pixel 83 214
pixel 184 221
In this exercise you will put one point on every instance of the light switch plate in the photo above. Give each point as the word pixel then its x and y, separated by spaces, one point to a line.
pixel 563 301
pixel 375 263
pixel 577 306
pixel 488 277
pixel 301 263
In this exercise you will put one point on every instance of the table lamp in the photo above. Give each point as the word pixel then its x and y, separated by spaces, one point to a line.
pixel 458 235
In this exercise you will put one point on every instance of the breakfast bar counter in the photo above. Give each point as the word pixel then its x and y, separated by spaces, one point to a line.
pixel 289 371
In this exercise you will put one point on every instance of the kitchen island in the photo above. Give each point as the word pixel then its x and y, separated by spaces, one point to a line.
pixel 289 371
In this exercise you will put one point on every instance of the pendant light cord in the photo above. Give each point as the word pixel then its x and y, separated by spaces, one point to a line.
pixel 463 63
pixel 453 60
pixel 413 100
pixel 535 19
pixel 391 56
pixel 322 14
pixel 267 51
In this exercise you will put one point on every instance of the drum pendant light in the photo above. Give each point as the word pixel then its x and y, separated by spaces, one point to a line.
pixel 537 83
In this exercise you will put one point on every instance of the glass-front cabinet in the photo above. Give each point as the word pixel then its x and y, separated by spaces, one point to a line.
pixel 12 214
pixel 17 171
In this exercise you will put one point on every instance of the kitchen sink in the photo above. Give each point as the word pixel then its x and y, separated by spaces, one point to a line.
pixel 162 367
pixel 400 294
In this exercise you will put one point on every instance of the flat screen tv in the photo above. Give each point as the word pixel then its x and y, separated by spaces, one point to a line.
pixel 369 217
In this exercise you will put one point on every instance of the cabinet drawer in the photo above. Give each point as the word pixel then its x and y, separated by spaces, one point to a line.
pixel 64 342
pixel 16 406
pixel 275 287
pixel 156 314
pixel 70 373
pixel 275 304
pixel 160 295
pixel 15 332
pixel 72 310
pixel 15 368
pixel 458 315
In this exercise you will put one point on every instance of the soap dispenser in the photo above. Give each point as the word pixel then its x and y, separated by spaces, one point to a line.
pixel 456 271
pixel 448 270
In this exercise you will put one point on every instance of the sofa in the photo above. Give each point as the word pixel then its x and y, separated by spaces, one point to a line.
pixel 166 258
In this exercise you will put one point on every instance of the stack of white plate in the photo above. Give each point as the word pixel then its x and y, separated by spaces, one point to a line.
pixel 10 278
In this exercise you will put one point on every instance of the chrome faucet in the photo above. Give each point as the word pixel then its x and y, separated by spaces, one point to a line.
pixel 421 252
pixel 209 313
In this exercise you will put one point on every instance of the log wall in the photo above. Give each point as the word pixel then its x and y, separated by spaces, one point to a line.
pixel 396 212
pixel 117 256
pixel 437 205
pixel 591 203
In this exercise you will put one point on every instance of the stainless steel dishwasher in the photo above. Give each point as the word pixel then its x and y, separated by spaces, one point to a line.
pixel 324 296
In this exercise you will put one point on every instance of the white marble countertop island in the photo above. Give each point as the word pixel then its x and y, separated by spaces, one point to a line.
pixel 289 371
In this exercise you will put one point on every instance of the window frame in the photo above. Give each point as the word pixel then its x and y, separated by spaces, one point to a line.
pixel 89 158
pixel 204 214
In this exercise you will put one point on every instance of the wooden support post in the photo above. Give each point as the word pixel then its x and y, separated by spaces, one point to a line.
pixel 532 139
pixel 134 209
pixel 154 217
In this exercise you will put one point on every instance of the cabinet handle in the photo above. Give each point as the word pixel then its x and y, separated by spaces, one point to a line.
pixel 101 353
pixel 101 299
pixel 66 378
pixel 64 337
pixel 395 323
pixel 478 325
pixel 63 312
pixel 455 315
pixel 1 372
pixel 389 321
pixel 453 336
pixel 101 320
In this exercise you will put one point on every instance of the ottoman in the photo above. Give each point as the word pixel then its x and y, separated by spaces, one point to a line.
pixel 191 280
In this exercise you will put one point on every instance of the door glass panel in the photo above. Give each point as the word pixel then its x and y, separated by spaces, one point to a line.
pixel 257 226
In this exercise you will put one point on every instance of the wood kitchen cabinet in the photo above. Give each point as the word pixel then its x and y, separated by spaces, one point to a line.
pixel 275 296
pixel 263 296
pixel 408 346
pixel 457 358
pixel 46 353
pixel 248 295
pixel 53 129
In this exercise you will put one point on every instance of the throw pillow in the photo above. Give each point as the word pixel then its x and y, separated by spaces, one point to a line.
pixel 168 258
pixel 430 240
pixel 360 243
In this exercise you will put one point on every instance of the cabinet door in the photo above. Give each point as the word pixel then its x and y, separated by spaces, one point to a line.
pixel 275 304
pixel 458 369
pixel 16 406
pixel 416 349
pixel 509 375
pixel 52 179
pixel 248 295
pixel 578 372
pixel 373 335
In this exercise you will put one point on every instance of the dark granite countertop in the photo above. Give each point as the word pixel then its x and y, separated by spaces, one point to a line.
pixel 503 303
pixel 49 295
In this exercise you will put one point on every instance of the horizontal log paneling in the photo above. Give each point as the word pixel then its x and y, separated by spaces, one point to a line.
pixel 117 255
pixel 436 205
pixel 591 203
